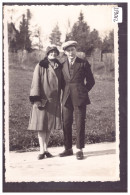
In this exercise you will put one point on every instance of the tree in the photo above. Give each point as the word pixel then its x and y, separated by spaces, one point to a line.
pixel 81 33
pixel 24 42
pixel 36 37
pixel 29 15
pixel 22 34
pixel 111 41
pixel 12 37
pixel 55 36
pixel 95 39
pixel 108 43
pixel 68 31
pixel 28 41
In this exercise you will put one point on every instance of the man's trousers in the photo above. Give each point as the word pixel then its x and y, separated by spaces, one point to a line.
pixel 80 115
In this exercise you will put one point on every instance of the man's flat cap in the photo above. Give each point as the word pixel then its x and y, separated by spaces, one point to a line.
pixel 68 44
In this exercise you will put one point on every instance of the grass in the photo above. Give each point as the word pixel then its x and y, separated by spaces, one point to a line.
pixel 100 118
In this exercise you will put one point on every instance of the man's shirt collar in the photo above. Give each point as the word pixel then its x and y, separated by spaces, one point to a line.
pixel 72 61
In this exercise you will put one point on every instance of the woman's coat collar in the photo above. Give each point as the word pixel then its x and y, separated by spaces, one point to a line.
pixel 45 63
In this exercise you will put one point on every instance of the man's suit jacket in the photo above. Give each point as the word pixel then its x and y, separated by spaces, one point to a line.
pixel 74 86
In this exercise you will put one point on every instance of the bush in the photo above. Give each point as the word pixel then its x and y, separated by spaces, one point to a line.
pixel 26 140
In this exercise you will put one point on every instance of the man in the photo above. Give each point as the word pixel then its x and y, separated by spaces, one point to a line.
pixel 75 98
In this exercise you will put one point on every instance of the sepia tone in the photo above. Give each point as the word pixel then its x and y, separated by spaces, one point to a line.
pixel 101 162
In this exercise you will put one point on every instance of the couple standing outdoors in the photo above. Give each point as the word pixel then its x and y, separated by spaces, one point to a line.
pixel 73 79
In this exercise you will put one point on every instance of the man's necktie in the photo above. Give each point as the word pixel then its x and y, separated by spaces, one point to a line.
pixel 71 68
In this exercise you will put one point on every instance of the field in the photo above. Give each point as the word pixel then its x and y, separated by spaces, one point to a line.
pixel 100 119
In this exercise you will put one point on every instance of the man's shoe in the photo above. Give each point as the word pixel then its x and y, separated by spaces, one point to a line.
pixel 48 154
pixel 79 155
pixel 68 152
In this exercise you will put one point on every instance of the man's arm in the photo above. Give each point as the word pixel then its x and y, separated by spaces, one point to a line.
pixel 89 77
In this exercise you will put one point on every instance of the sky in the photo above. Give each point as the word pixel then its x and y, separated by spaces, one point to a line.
pixel 98 17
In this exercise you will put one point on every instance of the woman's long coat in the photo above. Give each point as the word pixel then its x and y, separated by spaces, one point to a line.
pixel 46 85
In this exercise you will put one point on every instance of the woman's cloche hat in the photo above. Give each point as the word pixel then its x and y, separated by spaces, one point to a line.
pixel 51 48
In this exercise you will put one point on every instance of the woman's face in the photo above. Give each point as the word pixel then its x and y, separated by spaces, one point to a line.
pixel 52 55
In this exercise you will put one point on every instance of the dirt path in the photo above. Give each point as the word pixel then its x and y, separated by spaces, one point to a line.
pixel 100 164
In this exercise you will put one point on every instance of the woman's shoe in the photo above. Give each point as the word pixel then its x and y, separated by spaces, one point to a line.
pixel 41 156
pixel 48 154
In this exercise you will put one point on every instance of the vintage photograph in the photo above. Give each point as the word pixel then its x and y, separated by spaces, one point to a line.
pixel 61 92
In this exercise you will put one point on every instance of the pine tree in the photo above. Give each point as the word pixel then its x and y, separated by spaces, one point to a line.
pixel 22 34
pixel 24 42
pixel 55 36
pixel 80 33
pixel 28 41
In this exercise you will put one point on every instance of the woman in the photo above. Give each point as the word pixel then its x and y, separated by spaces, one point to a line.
pixel 45 96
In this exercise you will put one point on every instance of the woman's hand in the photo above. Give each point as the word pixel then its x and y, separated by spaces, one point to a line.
pixel 41 104
pixel 38 103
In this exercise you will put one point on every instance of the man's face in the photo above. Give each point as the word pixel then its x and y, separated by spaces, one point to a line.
pixel 70 52
pixel 52 55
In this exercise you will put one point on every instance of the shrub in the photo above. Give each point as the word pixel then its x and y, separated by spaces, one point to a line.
pixel 28 140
